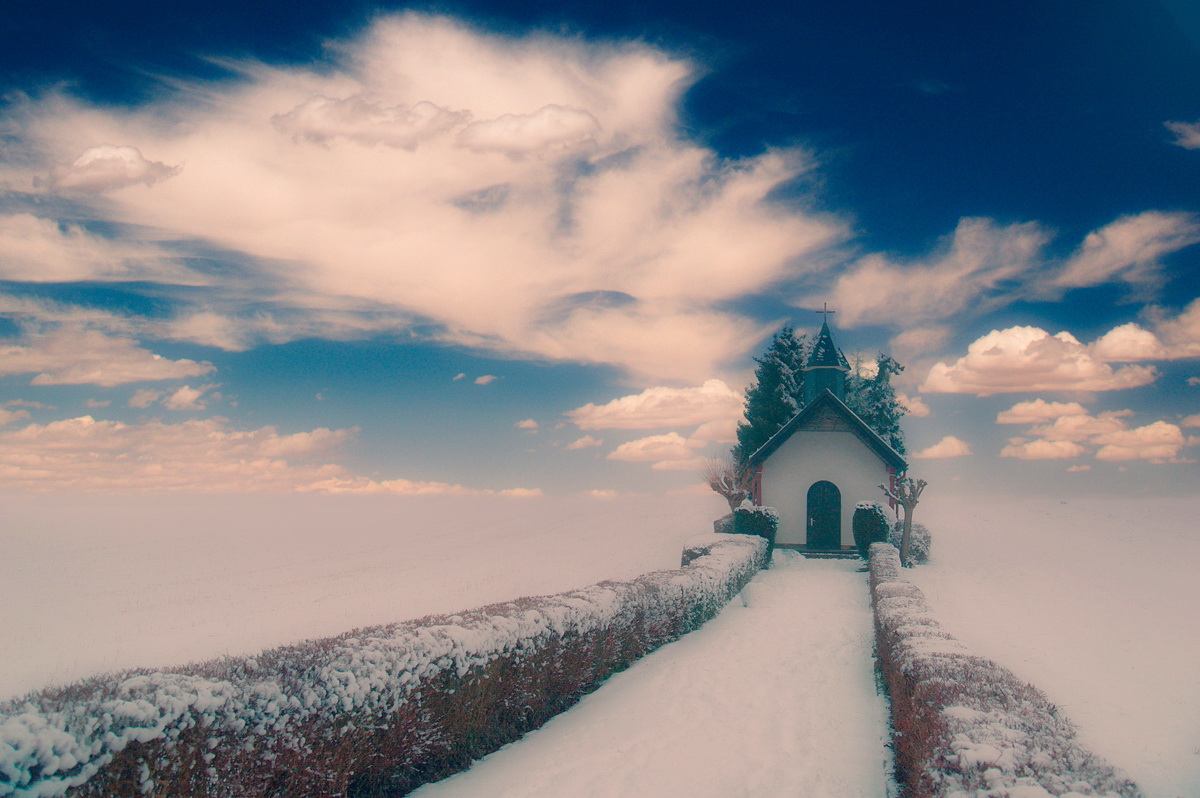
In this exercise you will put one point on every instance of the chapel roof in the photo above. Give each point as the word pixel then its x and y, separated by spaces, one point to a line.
pixel 825 354
pixel 816 415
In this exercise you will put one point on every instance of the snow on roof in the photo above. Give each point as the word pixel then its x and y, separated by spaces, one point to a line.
pixel 860 428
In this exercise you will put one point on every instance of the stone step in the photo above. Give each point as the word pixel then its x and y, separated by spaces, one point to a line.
pixel 844 553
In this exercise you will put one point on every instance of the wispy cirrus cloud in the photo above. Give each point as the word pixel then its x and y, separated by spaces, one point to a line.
pixel 976 263
pixel 1128 249
pixel 983 266
pixel 1187 134
pixel 36 249
pixel 558 158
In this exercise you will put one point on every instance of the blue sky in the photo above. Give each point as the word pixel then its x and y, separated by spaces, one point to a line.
pixel 500 247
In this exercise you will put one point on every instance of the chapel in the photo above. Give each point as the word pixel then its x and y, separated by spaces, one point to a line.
pixel 822 462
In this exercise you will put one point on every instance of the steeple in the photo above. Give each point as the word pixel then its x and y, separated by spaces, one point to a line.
pixel 826 366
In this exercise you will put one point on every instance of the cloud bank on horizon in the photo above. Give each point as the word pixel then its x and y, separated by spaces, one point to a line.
pixel 523 196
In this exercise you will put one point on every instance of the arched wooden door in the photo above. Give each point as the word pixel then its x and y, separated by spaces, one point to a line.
pixel 824 516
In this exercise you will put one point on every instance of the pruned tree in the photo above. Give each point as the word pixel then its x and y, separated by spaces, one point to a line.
pixel 907 494
pixel 728 479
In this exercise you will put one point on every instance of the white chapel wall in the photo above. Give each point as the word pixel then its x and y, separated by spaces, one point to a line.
pixel 809 456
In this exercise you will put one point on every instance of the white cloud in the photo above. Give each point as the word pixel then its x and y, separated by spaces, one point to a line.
pixel 460 375
pixel 1022 359
pixel 1187 134
pixel 720 431
pixel 97 403
pixel 1073 432
pixel 187 398
pixel 917 341
pixel 1043 450
pixel 644 235
pixel 1037 411
pixel 486 379
pixel 26 403
pixel 913 406
pixel 1181 334
pixel 1193 381
pixel 1128 343
pixel 1159 441
pixel 144 397
pixel 1176 338
pixel 948 446
pixel 409 487
pixel 74 356
pixel 671 446
pixel 690 464
pixel 1128 249
pixel 976 263
pixel 201 455
pixel 204 455
pixel 108 167
pixel 1081 427
pixel 527 424
pixel 9 416
pixel 660 406
pixel 552 128
pixel 321 119
pixel 586 442
pixel 1191 421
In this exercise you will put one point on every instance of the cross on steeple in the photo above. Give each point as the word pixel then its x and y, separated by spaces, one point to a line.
pixel 825 309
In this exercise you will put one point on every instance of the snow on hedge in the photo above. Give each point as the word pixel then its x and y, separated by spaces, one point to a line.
pixel 380 709
pixel 964 726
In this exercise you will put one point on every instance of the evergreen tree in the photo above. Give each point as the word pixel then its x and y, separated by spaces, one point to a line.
pixel 777 393
pixel 873 399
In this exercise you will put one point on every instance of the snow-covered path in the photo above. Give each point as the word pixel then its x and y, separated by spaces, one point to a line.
pixel 776 698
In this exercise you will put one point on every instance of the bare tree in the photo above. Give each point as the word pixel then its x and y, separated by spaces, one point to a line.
pixel 729 480
pixel 907 494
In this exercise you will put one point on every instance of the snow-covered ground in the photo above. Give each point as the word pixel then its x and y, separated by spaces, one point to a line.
pixel 89 585
pixel 771 699
pixel 1095 602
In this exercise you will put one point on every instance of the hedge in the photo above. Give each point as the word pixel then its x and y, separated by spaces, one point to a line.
pixel 964 726
pixel 373 712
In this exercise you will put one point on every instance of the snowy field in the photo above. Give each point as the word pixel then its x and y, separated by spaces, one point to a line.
pixel 89 585
pixel 1098 604
pixel 774 697
pixel 1094 602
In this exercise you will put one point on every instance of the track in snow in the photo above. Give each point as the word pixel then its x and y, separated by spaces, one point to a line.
pixel 774 697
